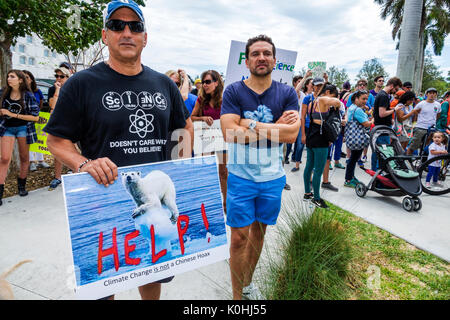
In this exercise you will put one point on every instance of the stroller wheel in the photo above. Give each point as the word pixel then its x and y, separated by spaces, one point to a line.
pixel 361 190
pixel 417 204
pixel 408 204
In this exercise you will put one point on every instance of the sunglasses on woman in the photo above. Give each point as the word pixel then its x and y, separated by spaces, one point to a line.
pixel 119 25
pixel 57 76
pixel 208 81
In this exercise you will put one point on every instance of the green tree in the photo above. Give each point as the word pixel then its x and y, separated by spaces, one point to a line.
pixel 370 70
pixel 432 76
pixel 65 26
pixel 337 76
pixel 434 27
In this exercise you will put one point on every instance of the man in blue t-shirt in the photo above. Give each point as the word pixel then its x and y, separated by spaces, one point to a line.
pixel 258 115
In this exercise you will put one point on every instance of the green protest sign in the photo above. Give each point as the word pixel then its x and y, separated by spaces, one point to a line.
pixel 41 143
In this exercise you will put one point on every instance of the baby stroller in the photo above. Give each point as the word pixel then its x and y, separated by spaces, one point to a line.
pixel 395 176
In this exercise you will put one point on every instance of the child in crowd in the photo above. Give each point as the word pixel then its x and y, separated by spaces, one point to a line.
pixel 437 148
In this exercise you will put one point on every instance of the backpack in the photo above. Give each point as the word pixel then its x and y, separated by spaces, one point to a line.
pixel 331 126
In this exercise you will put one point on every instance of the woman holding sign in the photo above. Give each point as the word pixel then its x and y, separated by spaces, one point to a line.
pixel 19 110
pixel 207 109
pixel 36 158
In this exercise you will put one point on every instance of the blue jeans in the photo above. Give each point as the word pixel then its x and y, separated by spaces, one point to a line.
pixel 338 147
pixel 433 172
pixel 298 148
pixel 381 140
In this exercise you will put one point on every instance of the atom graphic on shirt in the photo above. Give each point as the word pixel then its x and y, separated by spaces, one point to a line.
pixel 141 123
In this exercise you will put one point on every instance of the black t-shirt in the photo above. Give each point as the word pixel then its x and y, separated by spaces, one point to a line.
pixel 382 100
pixel 15 107
pixel 51 92
pixel 124 118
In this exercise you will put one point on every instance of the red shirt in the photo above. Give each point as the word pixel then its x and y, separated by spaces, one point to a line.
pixel 209 111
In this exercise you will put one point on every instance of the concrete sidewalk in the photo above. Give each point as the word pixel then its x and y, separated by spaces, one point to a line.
pixel 35 227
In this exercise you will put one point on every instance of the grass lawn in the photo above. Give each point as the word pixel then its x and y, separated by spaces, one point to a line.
pixel 378 265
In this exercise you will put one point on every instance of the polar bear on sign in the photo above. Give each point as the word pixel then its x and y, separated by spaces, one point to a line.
pixel 151 193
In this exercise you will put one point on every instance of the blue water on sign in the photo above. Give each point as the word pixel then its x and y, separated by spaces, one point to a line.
pixel 93 209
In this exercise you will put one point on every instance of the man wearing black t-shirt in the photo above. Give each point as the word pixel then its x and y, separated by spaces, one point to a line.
pixel 382 113
pixel 120 112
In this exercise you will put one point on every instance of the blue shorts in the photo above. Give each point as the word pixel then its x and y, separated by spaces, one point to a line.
pixel 249 201
pixel 17 132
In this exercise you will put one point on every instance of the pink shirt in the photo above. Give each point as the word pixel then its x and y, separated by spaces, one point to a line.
pixel 209 111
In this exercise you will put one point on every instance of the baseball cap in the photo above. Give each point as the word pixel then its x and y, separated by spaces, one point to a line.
pixel 64 71
pixel 407 84
pixel 431 90
pixel 197 81
pixel 66 65
pixel 318 81
pixel 117 4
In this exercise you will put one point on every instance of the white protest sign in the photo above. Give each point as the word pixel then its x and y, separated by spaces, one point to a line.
pixel 208 139
pixel 318 68
pixel 237 70
pixel 120 240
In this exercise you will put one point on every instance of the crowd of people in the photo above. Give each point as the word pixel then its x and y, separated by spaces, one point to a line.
pixel 249 112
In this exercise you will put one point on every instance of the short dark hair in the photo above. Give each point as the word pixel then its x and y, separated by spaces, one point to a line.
pixel 261 37
pixel 377 77
pixel 407 84
pixel 396 82
pixel 296 78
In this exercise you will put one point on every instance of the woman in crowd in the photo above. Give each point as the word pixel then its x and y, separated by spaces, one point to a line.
pixel 36 158
pixel 316 142
pixel 207 109
pixel 405 116
pixel 183 83
pixel 357 117
pixel 19 110
pixel 307 89
pixel 61 75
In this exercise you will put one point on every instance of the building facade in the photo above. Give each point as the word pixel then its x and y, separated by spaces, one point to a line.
pixel 30 54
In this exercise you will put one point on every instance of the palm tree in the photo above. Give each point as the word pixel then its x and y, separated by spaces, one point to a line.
pixel 409 40
pixel 434 27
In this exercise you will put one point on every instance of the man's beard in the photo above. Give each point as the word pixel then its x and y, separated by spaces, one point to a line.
pixel 262 75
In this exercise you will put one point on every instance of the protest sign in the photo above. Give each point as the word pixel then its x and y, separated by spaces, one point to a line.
pixel 41 144
pixel 122 236
pixel 318 68
pixel 207 138
pixel 237 70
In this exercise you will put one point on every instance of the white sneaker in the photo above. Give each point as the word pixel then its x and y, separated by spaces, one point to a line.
pixel 44 164
pixel 33 166
pixel 251 292
pixel 427 184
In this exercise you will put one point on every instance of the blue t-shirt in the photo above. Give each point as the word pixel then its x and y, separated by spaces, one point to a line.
pixel 38 95
pixel 369 102
pixel 358 114
pixel 190 102
pixel 262 161
pixel 309 98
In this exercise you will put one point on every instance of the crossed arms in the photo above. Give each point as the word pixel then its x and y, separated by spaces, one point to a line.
pixel 285 130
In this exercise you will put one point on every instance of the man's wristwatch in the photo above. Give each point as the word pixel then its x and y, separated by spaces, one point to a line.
pixel 252 125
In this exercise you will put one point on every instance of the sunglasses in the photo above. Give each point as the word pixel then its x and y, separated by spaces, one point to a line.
pixel 208 81
pixel 362 84
pixel 57 76
pixel 119 25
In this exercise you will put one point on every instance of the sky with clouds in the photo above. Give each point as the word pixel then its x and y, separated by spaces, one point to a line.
pixel 196 35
